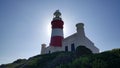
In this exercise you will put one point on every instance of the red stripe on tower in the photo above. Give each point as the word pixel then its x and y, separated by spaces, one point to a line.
pixel 57 30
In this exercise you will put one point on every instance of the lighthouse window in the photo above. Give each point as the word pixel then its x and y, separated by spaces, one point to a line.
pixel 72 47
pixel 66 48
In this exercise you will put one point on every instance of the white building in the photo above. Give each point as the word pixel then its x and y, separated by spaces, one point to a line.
pixel 71 42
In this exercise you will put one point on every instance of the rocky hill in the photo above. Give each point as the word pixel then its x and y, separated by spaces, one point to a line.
pixel 81 58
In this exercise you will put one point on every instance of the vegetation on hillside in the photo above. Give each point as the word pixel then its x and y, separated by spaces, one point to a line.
pixel 81 58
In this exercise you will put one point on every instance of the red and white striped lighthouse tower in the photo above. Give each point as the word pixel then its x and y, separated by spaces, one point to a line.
pixel 57 30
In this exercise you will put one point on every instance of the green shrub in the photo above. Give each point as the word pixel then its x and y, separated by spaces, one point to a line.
pixel 82 50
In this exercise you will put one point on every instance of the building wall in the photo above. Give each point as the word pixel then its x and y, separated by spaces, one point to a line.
pixel 76 39
pixel 73 39
pixel 79 40
pixel 68 41
pixel 51 49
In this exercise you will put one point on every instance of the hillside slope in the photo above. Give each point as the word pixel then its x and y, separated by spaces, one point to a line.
pixel 107 59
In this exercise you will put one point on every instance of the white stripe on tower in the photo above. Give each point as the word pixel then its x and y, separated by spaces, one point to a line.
pixel 57 32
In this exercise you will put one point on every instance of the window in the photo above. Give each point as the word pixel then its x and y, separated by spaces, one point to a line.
pixel 49 52
pixel 66 48
pixel 72 47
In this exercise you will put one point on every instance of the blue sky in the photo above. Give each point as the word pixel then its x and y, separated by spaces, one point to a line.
pixel 25 24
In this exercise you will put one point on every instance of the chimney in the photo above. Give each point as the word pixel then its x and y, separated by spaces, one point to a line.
pixel 43 48
pixel 80 29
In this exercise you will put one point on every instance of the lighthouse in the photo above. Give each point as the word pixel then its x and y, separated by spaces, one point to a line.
pixel 70 43
pixel 57 30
